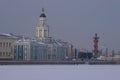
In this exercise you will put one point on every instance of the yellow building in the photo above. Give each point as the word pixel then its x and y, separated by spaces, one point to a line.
pixel 6 41
pixel 70 51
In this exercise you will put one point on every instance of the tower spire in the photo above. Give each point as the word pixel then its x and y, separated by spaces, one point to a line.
pixel 43 14
pixel 42 30
pixel 43 10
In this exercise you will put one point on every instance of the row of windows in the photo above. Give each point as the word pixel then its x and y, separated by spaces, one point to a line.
pixel 5 44
pixel 5 54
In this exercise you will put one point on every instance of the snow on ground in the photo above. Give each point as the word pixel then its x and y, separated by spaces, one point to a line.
pixel 60 72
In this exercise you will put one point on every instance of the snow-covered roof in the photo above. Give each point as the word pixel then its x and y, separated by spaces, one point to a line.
pixel 23 40
pixel 40 43
pixel 5 35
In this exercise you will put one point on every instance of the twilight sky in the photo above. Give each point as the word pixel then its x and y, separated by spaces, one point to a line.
pixel 74 21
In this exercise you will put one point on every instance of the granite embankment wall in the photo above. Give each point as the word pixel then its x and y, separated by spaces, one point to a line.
pixel 57 62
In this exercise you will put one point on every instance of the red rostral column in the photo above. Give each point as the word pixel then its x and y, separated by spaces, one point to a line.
pixel 95 45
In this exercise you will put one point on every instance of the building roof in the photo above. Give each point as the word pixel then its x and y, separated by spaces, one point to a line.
pixel 24 41
pixel 43 14
pixel 5 35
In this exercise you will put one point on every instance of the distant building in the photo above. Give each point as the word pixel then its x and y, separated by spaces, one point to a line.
pixel 27 50
pixel 6 41
pixel 42 30
pixel 116 58
pixel 42 48
pixel 57 49
pixel 70 51
pixel 85 55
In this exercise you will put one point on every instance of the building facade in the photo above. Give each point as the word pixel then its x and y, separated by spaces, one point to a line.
pixel 70 51
pixel 57 49
pixel 29 50
pixel 42 48
pixel 6 41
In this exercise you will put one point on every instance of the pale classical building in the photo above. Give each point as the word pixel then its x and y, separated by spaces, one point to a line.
pixel 6 41
pixel 43 47
pixel 29 50
pixel 57 50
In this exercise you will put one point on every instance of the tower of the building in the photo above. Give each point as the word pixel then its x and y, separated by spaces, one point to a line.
pixel 42 30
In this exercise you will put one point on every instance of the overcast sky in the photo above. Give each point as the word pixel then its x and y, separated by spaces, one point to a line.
pixel 75 21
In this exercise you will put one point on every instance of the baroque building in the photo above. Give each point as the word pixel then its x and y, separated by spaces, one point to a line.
pixel 29 50
pixel 57 49
pixel 42 48
pixel 6 41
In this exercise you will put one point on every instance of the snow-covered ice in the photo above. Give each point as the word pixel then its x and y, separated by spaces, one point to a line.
pixel 60 72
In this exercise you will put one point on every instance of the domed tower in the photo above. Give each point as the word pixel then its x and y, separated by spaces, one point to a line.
pixel 42 30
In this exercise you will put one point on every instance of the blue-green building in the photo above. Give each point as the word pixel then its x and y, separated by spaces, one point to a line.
pixel 29 50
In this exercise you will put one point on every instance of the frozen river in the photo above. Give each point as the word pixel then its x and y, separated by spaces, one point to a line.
pixel 60 72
